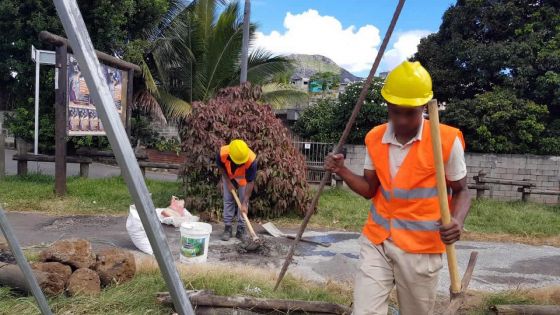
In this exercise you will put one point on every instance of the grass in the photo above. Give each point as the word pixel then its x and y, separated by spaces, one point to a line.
pixel 138 295
pixel 108 196
pixel 488 219
pixel 339 209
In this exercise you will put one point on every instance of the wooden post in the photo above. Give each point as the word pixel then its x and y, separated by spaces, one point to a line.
pixel 2 154
pixel 526 191
pixel 129 96
pixel 479 183
pixel 61 100
pixel 21 146
pixel 84 170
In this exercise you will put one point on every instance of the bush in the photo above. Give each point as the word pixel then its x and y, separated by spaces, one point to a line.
pixel 280 186
pixel 499 122
pixel 21 124
pixel 326 120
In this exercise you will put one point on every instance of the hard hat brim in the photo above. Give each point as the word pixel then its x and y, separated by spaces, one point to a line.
pixel 239 162
pixel 409 102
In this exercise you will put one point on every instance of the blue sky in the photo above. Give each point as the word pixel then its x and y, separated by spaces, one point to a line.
pixel 323 27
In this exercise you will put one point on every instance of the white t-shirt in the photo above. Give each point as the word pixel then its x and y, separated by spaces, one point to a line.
pixel 455 168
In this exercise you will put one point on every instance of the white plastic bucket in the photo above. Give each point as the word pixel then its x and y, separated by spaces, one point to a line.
pixel 195 237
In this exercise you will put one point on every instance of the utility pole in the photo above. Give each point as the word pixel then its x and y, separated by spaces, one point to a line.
pixel 245 47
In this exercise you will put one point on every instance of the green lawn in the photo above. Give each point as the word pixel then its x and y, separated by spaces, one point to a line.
pixel 338 208
pixel 85 196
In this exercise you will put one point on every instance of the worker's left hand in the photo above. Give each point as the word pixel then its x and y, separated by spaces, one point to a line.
pixel 450 233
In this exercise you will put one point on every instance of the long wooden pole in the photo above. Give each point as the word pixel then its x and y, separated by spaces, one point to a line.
pixel 245 47
pixel 342 141
pixel 61 100
pixel 442 194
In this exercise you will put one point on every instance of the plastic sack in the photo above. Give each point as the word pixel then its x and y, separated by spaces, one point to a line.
pixel 136 231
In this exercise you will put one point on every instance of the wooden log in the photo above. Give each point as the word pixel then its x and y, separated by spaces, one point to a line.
pixel 60 108
pixel 523 183
pixel 526 309
pixel 169 166
pixel 11 276
pixel 50 158
pixel 539 191
pixel 86 152
pixel 205 298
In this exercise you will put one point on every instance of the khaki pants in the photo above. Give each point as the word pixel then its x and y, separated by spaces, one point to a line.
pixel 383 266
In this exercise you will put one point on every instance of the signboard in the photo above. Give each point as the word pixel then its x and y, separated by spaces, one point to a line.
pixel 82 117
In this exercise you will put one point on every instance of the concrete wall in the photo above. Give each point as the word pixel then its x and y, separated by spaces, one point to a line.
pixel 167 131
pixel 544 171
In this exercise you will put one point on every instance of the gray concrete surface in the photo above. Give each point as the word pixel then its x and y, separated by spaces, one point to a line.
pixel 96 170
pixel 500 266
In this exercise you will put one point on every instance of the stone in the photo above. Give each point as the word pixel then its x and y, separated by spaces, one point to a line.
pixel 83 281
pixel 115 266
pixel 77 253
pixel 64 271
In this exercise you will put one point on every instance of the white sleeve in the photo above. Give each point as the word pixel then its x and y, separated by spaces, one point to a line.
pixel 456 167
pixel 368 164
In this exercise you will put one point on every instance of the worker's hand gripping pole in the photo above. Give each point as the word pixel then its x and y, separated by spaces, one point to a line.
pixel 442 194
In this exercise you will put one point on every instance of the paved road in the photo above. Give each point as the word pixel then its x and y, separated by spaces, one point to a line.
pixel 500 266
pixel 96 170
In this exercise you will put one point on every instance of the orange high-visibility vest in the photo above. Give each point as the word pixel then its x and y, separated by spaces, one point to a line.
pixel 406 207
pixel 239 174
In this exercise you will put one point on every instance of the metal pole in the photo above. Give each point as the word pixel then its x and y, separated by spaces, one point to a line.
pixel 245 47
pixel 36 135
pixel 84 52
pixel 61 101
pixel 341 141
pixel 23 264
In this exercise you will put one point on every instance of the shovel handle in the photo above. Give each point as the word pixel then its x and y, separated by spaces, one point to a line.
pixel 253 234
pixel 442 193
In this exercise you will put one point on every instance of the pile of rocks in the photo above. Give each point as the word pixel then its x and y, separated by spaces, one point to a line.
pixel 71 266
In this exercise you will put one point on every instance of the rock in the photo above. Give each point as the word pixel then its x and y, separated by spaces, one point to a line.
pixel 115 266
pixel 75 253
pixel 84 281
pixel 63 271
pixel 11 276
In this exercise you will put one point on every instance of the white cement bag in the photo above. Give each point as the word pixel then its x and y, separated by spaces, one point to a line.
pixel 136 231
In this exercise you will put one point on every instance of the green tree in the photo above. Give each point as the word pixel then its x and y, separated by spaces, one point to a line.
pixel 199 54
pixel 499 122
pixel 482 44
pixel 326 120
pixel 327 80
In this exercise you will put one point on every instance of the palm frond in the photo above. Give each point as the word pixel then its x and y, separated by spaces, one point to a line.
pixel 281 96
pixel 145 102
pixel 174 107
pixel 176 7
pixel 149 81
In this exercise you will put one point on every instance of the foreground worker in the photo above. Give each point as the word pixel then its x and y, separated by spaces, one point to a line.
pixel 403 239
pixel 238 166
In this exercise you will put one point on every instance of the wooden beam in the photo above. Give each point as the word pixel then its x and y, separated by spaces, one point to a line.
pixel 2 154
pixel 50 158
pixel 50 38
pixel 129 96
pixel 60 119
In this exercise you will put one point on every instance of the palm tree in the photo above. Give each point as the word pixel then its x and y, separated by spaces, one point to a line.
pixel 198 53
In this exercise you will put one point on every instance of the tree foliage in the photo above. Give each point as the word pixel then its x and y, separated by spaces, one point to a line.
pixel 499 122
pixel 326 120
pixel 482 44
pixel 280 186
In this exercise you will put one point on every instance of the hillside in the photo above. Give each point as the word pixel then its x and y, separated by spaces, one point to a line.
pixel 307 65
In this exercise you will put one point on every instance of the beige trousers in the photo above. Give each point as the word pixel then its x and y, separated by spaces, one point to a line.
pixel 383 266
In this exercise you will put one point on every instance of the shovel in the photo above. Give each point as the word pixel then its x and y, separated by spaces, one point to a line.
pixel 458 286
pixel 274 231
pixel 255 242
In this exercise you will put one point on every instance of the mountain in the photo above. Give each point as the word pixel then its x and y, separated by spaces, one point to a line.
pixel 307 65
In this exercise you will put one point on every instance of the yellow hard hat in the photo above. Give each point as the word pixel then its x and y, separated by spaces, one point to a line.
pixel 238 151
pixel 409 84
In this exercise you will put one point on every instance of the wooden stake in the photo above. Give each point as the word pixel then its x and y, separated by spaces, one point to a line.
pixel 60 119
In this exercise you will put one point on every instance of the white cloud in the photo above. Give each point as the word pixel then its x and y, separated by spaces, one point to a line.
pixel 404 47
pixel 352 48
pixel 311 33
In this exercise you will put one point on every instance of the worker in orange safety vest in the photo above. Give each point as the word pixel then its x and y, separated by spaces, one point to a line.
pixel 238 166
pixel 403 239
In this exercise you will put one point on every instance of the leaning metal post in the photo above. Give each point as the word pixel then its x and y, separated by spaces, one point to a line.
pixel 23 264
pixel 84 52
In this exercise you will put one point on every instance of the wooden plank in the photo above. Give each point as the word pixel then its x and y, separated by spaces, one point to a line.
pixel 539 191
pixel 168 166
pixel 84 170
pixel 60 120
pixel 109 60
pixel 50 158
pixel 208 299
pixel 109 154
pixel 523 183
pixel 526 309
pixel 129 96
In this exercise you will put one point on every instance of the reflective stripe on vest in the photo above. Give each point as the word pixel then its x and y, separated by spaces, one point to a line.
pixel 401 224
pixel 415 193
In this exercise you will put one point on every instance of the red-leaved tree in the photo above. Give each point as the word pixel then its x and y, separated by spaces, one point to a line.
pixel 280 186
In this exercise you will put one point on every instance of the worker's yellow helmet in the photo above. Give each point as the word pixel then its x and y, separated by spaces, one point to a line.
pixel 238 151
pixel 409 84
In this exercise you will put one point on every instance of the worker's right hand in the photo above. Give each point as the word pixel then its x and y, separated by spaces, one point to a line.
pixel 334 162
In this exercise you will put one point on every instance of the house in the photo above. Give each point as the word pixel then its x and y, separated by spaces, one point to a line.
pixel 300 82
